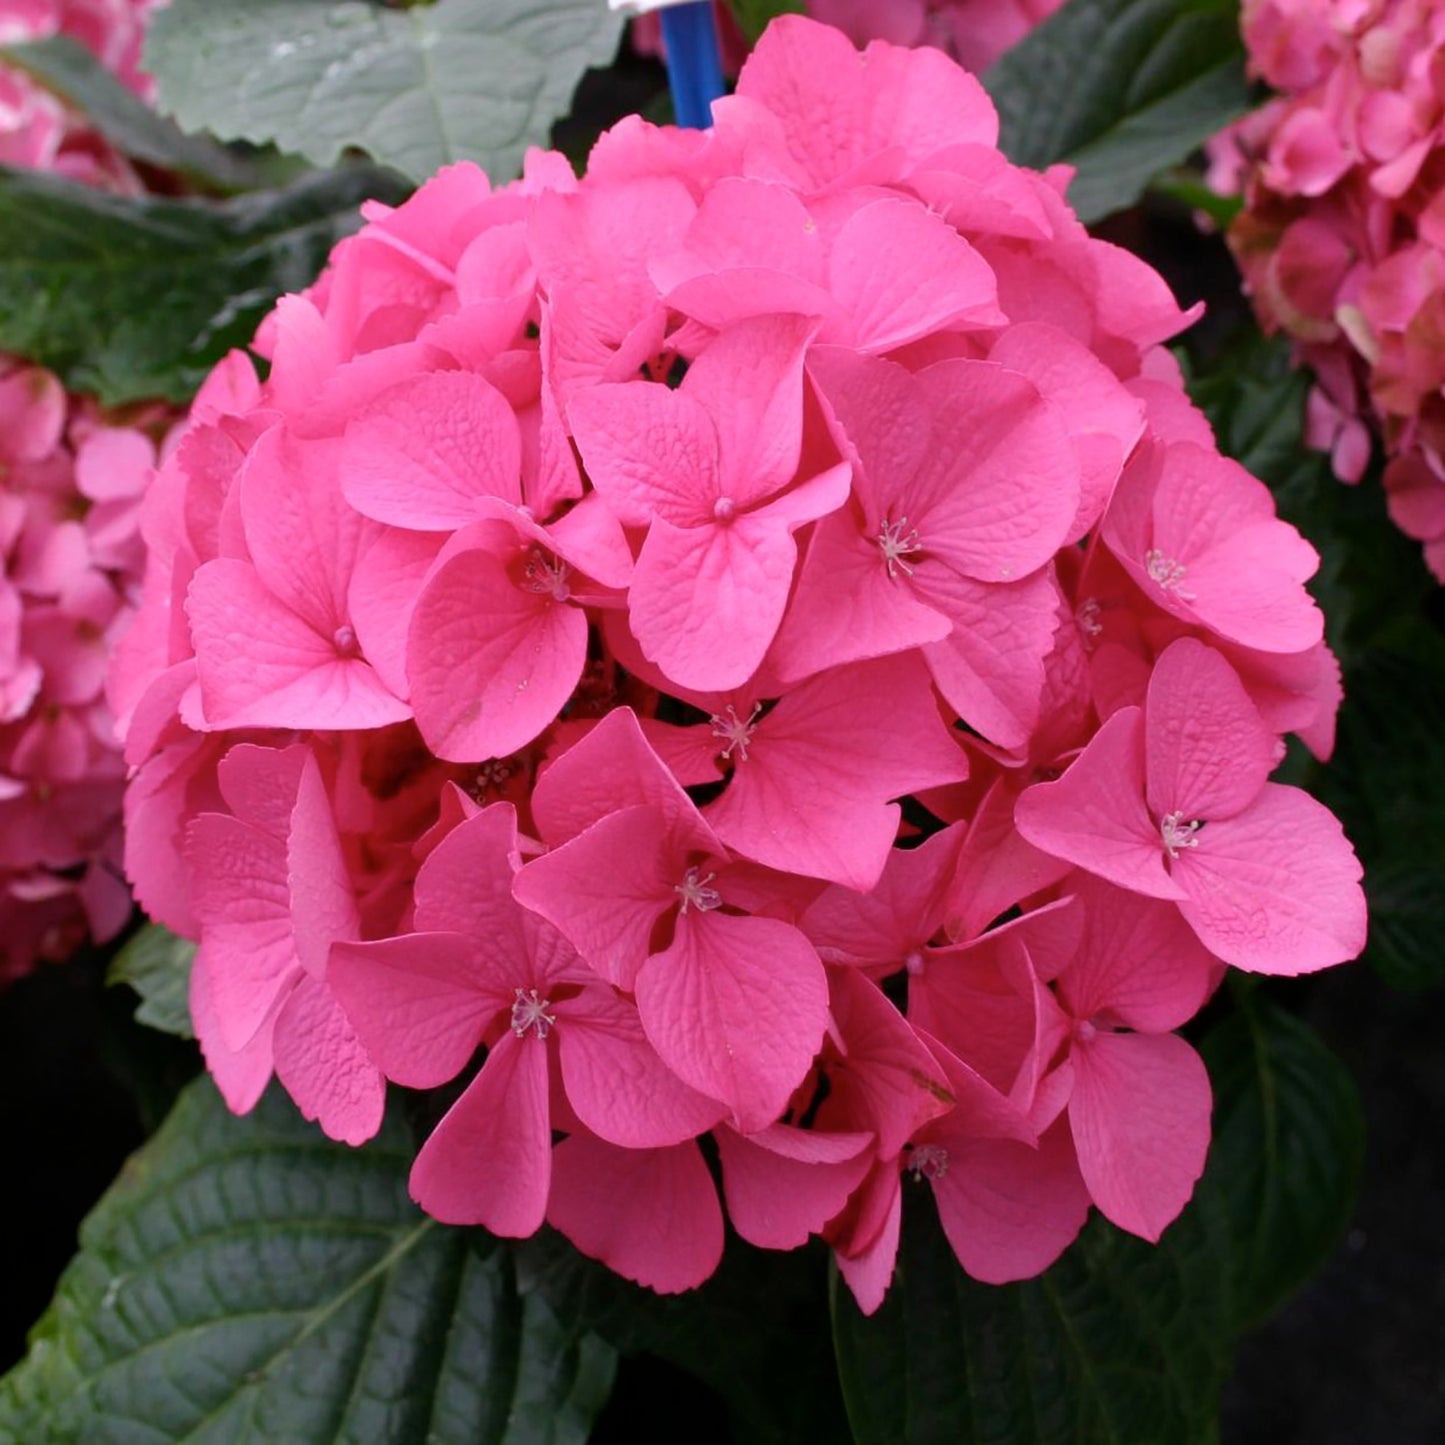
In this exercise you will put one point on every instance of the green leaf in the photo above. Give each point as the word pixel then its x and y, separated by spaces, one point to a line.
pixel 157 965
pixel 1122 89
pixel 1120 1341
pixel 415 88
pixel 1289 1138
pixel 1407 924
pixel 132 298
pixel 753 15
pixel 754 1332
pixel 246 1279
pixel 67 68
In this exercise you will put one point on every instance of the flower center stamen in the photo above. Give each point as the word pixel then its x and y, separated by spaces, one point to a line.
pixel 1178 834
pixel 695 893
pixel 928 1161
pixel 728 726
pixel 1167 573
pixel 896 543
pixel 530 1012
pixel 546 576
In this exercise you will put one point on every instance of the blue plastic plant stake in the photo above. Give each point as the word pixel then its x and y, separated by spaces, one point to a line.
pixel 694 67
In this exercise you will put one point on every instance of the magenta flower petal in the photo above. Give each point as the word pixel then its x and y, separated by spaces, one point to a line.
pixel 324 1066
pixel 736 1007
pixel 1276 888
pixel 493 650
pixel 783 1185
pixel 670 1236
pixel 489 1161
pixel 423 452
pixel 419 1003
pixel 615 1080
pixel 1139 1113
pixel 1094 816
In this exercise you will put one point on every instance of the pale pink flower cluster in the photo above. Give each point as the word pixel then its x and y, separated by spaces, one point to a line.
pixel 70 567
pixel 759 639
pixel 41 132
pixel 973 32
pixel 1342 239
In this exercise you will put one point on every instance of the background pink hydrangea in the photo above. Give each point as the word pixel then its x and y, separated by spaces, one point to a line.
pixel 973 32
pixel 1342 238
pixel 39 131
pixel 758 639
pixel 71 482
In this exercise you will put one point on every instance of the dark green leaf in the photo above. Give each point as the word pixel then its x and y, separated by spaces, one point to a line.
pixel 1120 1341
pixel 69 70
pixel 754 1332
pixel 1407 924
pixel 1122 89
pixel 1288 1144
pixel 753 15
pixel 415 87
pixel 134 298
pixel 246 1279
pixel 157 965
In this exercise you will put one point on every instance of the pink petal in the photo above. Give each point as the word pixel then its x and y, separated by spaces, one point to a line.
pixel 262 665
pixel 323 905
pixel 900 272
pixel 325 1068
pixel 1009 1210
pixel 778 1196
pixel 1094 816
pixel 706 601
pixel 1138 962
pixel 616 1082
pixel 1208 750
pixel 1139 1115
pixel 421 454
pixel 613 767
pixel 1275 889
pixel 489 1161
pixel 606 889
pixel 736 1007
pixel 812 796
pixel 418 1003
pixel 990 667
pixel 490 662
pixel 670 1235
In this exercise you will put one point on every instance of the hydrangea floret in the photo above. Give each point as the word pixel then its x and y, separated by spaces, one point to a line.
pixel 1342 238
pixel 747 667
pixel 37 129
pixel 71 482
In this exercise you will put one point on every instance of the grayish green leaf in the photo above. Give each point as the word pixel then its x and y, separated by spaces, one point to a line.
pixel 68 69
pixel 1122 89
pixel 157 965
pixel 1289 1139
pixel 133 298
pixel 415 88
pixel 247 1280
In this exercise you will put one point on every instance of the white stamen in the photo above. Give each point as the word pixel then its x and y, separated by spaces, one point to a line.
pixel 344 641
pixel 1178 834
pixel 895 543
pixel 546 576
pixel 734 731
pixel 928 1161
pixel 1088 618
pixel 724 509
pixel 1167 573
pixel 530 1012
pixel 694 892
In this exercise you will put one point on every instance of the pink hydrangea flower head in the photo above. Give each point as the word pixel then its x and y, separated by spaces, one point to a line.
pixel 733 645
pixel 1341 239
